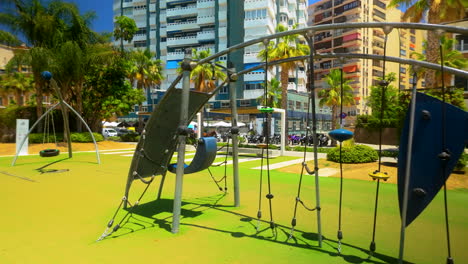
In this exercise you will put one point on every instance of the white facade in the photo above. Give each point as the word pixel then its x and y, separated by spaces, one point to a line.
pixel 195 24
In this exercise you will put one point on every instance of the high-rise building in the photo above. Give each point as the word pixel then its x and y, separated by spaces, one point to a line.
pixel 362 73
pixel 169 27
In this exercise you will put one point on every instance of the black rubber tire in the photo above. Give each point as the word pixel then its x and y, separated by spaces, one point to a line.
pixel 49 152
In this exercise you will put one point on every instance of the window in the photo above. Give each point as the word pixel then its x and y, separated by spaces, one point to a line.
pixel 256 14
pixel 290 104
pixel 298 105
pixel 252 86
pixel 244 102
pixel 306 106
pixel 139 44
pixel 225 104
pixel 351 5
pixel 224 90
pixel 402 69
pixel 402 52
pixel 128 11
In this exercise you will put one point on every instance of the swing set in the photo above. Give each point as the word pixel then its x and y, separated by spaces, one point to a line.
pixel 48 118
pixel 417 184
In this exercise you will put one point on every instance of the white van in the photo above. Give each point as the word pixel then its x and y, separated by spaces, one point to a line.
pixel 109 132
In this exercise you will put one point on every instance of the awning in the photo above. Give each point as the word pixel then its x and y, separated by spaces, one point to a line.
pixel 172 64
pixel 352 68
pixel 251 65
pixel 351 37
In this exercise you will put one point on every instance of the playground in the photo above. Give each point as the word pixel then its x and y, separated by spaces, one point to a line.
pixel 57 217
pixel 57 207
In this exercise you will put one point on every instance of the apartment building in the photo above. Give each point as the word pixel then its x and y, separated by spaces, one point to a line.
pixel 169 27
pixel 362 73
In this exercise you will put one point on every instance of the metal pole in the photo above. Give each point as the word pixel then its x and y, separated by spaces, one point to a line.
pixel 311 90
pixel 30 130
pixel 66 125
pixel 89 129
pixel 181 149
pixel 407 170
pixel 234 133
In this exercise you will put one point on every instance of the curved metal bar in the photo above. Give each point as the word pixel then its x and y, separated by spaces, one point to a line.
pixel 424 64
pixel 302 31
pixel 89 130
pixel 30 130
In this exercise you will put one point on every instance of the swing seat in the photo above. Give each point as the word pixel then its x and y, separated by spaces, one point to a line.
pixel 204 157
pixel 49 152
pixel 340 134
pixel 379 175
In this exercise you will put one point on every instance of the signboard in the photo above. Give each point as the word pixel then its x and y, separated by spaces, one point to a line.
pixel 22 128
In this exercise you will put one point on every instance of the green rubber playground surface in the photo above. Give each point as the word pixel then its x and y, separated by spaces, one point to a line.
pixel 57 217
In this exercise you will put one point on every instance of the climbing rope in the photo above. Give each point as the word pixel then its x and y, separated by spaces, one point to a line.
pixel 378 174
pixel 225 169
pixel 106 232
pixel 444 155
pixel 304 167
pixel 266 112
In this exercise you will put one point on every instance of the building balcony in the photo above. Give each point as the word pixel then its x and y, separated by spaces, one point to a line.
pixel 182 11
pixel 254 4
pixel 162 18
pixel 205 4
pixel 292 2
pixel 222 32
pixel 254 76
pixel 211 48
pixel 202 20
pixel 251 58
pixel 175 55
pixel 182 41
pixel 180 26
pixel 253 94
pixel 139 12
pixel 139 37
pixel 249 23
pixel 205 35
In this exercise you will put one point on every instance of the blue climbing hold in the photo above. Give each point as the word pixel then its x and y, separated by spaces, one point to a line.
pixel 340 134
pixel 46 75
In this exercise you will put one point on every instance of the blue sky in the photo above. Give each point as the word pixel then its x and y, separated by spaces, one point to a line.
pixel 103 9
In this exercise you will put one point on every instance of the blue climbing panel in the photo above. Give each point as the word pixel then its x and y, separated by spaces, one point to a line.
pixel 429 171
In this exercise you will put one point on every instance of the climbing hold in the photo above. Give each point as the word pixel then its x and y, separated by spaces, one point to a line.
pixel 426 115
pixel 420 192
pixel 269 196
pixel 340 134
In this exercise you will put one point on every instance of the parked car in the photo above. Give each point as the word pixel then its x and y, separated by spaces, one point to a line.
pixel 109 132
pixel 124 131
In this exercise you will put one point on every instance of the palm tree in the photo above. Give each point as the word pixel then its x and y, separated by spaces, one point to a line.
pixel 273 94
pixel 438 11
pixel 124 30
pixel 331 96
pixel 146 72
pixel 205 75
pixel 286 47
pixel 6 38
pixel 452 58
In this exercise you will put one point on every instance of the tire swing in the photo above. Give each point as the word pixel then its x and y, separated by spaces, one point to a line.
pixel 49 152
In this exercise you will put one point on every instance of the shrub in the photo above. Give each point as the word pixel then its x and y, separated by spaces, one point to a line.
pixel 354 154
pixel 114 138
pixel 461 163
pixel 85 137
pixel 130 137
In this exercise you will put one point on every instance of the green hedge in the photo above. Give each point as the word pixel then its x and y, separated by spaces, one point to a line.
pixel 353 154
pixel 84 137
pixel 130 137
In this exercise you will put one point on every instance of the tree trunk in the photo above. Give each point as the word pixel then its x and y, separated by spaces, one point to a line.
pixel 39 92
pixel 79 106
pixel 433 49
pixel 284 97
pixel 333 124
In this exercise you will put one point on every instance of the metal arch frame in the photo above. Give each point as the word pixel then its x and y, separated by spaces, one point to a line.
pixel 63 104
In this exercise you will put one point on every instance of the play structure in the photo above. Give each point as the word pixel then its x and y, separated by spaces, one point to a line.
pixel 48 117
pixel 423 167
